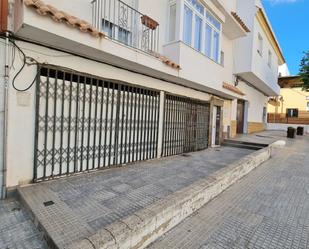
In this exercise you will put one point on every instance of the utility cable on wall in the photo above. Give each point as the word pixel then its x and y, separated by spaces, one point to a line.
pixel 26 60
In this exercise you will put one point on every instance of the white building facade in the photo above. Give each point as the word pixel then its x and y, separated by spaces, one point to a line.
pixel 103 83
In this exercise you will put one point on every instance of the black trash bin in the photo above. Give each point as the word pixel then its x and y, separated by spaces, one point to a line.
pixel 291 132
pixel 300 131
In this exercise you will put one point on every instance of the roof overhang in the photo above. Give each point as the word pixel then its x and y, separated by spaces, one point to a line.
pixel 290 81
pixel 262 19
pixel 260 85
pixel 232 28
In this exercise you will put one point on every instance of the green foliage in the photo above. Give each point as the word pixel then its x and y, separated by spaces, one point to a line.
pixel 304 71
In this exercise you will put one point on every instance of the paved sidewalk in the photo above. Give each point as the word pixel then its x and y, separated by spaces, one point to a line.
pixel 97 199
pixel 16 228
pixel 264 137
pixel 268 209
pixel 87 203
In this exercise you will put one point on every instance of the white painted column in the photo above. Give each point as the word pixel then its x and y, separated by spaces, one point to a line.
pixel 2 113
pixel 179 20
pixel 161 124
pixel 2 82
pixel 246 113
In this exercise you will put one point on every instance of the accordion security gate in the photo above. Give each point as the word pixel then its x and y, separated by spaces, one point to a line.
pixel 186 125
pixel 85 123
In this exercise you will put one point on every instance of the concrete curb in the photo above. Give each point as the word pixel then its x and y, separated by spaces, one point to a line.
pixel 145 226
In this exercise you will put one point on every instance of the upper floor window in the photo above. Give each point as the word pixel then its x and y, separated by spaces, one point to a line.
pixel 201 29
pixel 260 44
pixel 292 113
pixel 270 55
pixel 172 22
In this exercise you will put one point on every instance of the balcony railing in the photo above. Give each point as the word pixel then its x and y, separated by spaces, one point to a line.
pixel 122 23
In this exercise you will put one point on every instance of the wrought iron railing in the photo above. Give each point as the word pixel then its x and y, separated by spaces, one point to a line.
pixel 122 23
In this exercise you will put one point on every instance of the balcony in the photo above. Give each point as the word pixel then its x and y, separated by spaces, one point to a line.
pixel 124 24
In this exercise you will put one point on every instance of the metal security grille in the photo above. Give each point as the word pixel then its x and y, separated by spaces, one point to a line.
pixel 186 125
pixel 85 123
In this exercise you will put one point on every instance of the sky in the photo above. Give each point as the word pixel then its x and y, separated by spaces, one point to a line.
pixel 290 21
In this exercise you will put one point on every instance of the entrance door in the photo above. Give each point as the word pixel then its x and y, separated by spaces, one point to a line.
pixel 216 123
pixel 240 116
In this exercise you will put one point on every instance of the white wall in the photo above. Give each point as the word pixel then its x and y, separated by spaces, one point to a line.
pixel 227 114
pixel 268 74
pixel 244 46
pixel 80 8
pixel 230 5
pixel 227 46
pixel 198 68
pixel 234 110
pixel 249 64
pixel 22 106
pixel 83 10
pixel 257 101
pixel 158 11
pixel 284 70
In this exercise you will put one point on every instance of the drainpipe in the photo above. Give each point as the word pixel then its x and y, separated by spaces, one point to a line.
pixel 6 83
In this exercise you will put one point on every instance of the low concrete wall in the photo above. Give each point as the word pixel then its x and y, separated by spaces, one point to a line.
pixel 140 229
pixel 284 127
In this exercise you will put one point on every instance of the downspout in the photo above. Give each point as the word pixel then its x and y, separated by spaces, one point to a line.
pixel 5 123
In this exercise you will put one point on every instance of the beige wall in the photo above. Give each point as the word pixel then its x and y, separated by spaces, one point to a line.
pixel 292 98
pixel 256 127
pixel 233 128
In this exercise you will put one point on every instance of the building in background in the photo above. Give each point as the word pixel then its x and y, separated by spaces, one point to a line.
pixel 292 106
pixel 284 70
pixel 109 82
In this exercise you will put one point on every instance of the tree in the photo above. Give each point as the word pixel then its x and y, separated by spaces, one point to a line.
pixel 304 71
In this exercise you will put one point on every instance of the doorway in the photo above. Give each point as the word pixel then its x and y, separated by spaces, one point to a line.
pixel 240 116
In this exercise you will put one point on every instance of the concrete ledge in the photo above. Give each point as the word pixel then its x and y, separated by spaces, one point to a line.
pixel 145 226
pixel 284 127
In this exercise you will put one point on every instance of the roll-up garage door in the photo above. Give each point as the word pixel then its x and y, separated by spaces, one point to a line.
pixel 85 123
pixel 186 125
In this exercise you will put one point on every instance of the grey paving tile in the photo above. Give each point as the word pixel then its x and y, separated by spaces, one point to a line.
pixel 16 228
pixel 269 208
pixel 92 201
